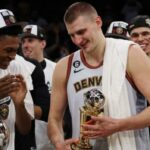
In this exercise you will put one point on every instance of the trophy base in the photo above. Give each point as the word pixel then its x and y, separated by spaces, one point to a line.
pixel 84 148
pixel 81 147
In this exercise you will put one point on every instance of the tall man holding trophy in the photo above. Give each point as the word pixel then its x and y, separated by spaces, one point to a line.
pixel 99 81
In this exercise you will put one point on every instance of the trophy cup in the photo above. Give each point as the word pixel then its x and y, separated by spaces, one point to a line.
pixel 4 131
pixel 93 106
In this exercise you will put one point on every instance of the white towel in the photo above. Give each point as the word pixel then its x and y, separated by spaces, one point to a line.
pixel 115 91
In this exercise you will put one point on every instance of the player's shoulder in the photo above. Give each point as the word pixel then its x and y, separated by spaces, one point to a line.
pixel 63 61
pixel 135 49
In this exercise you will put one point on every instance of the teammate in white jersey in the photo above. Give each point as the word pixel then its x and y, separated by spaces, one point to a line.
pixel 123 64
pixel 33 43
pixel 139 30
pixel 15 82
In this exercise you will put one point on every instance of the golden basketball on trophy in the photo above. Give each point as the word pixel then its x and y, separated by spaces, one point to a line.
pixel 93 106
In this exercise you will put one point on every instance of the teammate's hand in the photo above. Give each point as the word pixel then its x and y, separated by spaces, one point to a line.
pixel 66 145
pixel 8 84
pixel 19 91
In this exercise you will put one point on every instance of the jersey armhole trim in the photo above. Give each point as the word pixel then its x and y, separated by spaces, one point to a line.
pixel 69 67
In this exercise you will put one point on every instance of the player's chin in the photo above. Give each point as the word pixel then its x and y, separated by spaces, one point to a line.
pixel 4 66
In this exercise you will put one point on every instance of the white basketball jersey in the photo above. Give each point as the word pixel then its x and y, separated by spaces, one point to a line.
pixel 82 79
pixel 48 72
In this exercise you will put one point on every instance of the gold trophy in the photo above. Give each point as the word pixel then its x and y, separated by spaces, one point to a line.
pixel 93 106
pixel 4 135
pixel 4 131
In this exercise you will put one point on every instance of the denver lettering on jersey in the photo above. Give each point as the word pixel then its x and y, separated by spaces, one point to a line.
pixel 85 83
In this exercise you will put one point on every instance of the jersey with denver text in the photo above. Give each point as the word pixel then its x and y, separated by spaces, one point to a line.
pixel 83 78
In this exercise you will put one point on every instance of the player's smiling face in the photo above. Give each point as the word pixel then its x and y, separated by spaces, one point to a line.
pixel 32 47
pixel 8 50
pixel 83 32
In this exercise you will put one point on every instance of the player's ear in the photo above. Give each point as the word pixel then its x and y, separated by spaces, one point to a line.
pixel 99 21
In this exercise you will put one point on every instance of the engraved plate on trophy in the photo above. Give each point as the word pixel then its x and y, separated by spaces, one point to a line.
pixel 93 106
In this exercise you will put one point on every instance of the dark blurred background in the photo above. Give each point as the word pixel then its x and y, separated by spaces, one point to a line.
pixel 49 14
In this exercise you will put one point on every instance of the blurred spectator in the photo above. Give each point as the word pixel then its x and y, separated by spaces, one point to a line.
pixel 118 29
pixel 108 16
pixel 56 41
pixel 131 9
pixel 23 10
pixel 36 18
